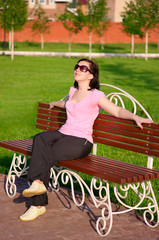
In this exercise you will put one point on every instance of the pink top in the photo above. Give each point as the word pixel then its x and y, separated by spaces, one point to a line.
pixel 81 115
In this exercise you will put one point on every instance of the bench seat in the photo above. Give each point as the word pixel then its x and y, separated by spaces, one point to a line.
pixel 101 167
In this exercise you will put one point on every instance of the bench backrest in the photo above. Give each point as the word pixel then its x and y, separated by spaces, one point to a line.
pixel 108 130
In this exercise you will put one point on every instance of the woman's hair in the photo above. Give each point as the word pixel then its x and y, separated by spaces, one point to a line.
pixel 94 83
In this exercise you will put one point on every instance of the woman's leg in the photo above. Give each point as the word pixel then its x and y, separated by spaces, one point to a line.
pixel 41 149
pixel 49 148
pixel 42 145
pixel 52 150
pixel 68 148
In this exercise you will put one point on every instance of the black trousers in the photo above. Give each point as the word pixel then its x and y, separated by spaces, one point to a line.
pixel 49 148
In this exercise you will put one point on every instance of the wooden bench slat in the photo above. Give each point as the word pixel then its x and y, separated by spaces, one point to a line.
pixel 123 164
pixel 154 126
pixel 110 174
pixel 51 118
pixel 135 169
pixel 43 105
pixel 133 127
pixel 126 146
pixel 49 123
pixel 125 168
pixel 78 167
pixel 52 112
pixel 126 133
pixel 43 127
pixel 110 169
pixel 136 175
pixel 17 148
pixel 130 141
pixel 21 143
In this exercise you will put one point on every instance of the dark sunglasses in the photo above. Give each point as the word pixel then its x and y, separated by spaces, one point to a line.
pixel 82 68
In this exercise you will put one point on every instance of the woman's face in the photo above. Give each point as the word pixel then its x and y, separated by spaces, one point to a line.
pixel 82 71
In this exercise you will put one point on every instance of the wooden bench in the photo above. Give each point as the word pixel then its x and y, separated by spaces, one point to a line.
pixel 126 177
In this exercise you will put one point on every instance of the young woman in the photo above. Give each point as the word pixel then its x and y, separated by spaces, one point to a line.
pixel 74 139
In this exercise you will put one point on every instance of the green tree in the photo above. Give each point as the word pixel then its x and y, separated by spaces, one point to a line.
pixel 40 23
pixel 102 12
pixel 13 16
pixel 130 23
pixel 73 22
pixel 146 15
pixel 95 18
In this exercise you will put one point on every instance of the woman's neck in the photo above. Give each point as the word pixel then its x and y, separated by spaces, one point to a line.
pixel 83 87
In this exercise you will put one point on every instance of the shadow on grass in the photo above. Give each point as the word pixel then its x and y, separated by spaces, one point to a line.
pixel 110 48
pixel 5 164
pixel 127 75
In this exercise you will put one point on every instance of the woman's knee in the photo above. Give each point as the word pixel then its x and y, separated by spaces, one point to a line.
pixel 40 135
pixel 47 137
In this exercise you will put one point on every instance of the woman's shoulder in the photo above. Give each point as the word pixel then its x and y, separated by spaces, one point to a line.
pixel 72 90
pixel 97 93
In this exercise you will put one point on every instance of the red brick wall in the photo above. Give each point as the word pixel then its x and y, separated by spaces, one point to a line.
pixel 58 33
pixel 52 12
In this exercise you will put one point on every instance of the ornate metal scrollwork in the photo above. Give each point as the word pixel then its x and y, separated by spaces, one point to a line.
pixel 18 168
pixel 117 97
pixel 144 191
pixel 103 201
pixel 53 173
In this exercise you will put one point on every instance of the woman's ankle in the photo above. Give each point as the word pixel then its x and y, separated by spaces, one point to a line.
pixel 38 207
pixel 39 181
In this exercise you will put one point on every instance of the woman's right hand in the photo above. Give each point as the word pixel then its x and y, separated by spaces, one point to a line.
pixel 60 104
pixel 51 105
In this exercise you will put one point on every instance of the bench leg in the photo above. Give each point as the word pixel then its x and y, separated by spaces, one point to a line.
pixel 53 175
pixel 104 222
pixel 144 191
pixel 18 168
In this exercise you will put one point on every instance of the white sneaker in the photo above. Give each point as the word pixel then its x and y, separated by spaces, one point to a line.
pixel 32 213
pixel 35 189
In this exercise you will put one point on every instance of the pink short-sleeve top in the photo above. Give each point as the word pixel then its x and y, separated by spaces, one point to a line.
pixel 81 115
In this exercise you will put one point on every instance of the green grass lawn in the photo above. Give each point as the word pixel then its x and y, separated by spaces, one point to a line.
pixel 84 47
pixel 27 80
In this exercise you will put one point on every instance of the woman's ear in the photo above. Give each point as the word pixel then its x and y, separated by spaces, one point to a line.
pixel 90 77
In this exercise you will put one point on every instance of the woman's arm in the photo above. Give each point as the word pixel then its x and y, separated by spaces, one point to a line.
pixel 120 112
pixel 60 104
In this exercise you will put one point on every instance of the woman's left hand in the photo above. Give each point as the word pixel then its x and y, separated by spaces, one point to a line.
pixel 139 121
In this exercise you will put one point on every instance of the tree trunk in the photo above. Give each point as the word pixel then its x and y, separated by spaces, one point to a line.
pixel 12 44
pixel 69 44
pixel 132 43
pixel 146 45
pixel 102 42
pixel 42 41
pixel 90 45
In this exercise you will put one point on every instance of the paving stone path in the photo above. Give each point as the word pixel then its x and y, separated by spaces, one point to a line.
pixel 63 220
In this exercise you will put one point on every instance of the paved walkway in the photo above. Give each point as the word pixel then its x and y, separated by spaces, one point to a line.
pixel 79 54
pixel 63 220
